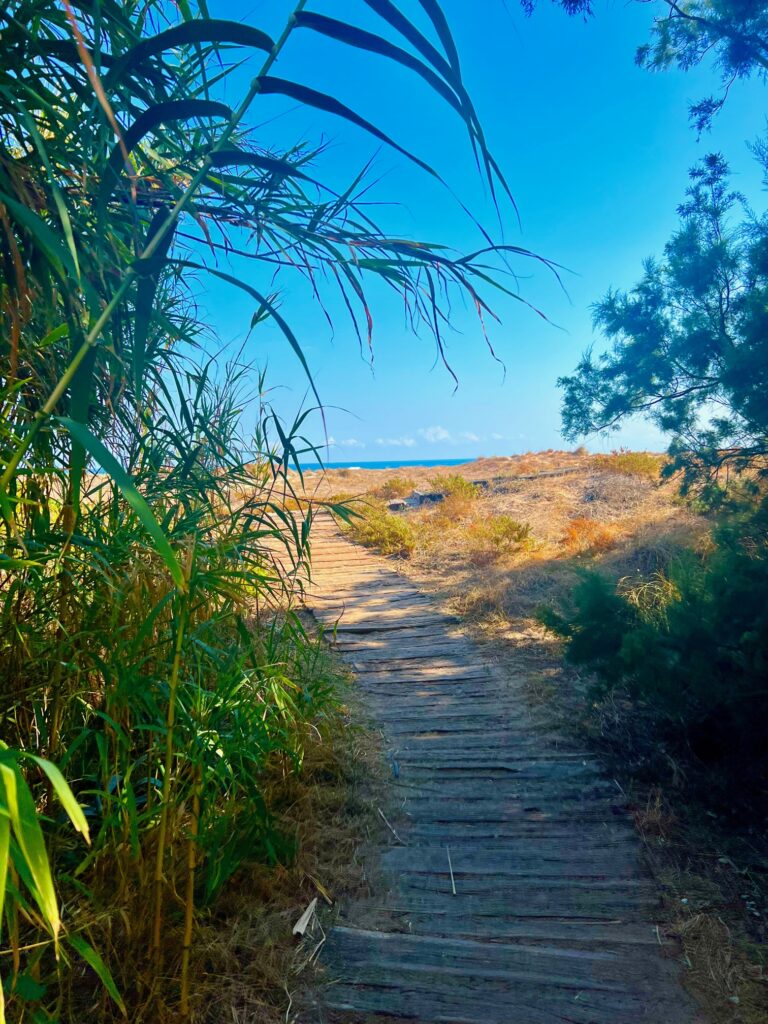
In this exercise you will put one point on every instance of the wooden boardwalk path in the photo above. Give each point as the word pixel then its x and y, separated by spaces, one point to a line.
pixel 514 892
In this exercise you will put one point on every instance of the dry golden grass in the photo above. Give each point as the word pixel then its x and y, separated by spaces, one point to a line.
pixel 321 483
pixel 642 464
pixel 375 527
pixel 727 971
pixel 611 513
pixel 590 535
pixel 454 485
pixel 585 509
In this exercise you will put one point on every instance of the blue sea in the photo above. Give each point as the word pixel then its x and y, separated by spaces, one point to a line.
pixel 386 464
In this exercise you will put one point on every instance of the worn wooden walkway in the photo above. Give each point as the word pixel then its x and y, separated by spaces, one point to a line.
pixel 515 894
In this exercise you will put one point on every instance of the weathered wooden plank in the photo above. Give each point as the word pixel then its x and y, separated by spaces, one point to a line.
pixel 353 610
pixel 474 833
pixel 391 643
pixel 442 717
pixel 570 967
pixel 382 600
pixel 403 997
pixel 461 759
pixel 487 980
pixel 614 933
pixel 379 624
pixel 525 902
pixel 530 860
pixel 451 726
pixel 418 698
pixel 374 627
pixel 377 587
pixel 449 653
pixel 435 671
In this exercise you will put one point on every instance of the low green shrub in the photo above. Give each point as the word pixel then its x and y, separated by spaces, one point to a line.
pixel 642 464
pixel 395 487
pixel 689 648
pixel 502 533
pixel 454 486
pixel 375 527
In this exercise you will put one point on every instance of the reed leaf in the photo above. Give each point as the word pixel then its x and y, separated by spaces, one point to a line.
pixel 94 960
pixel 269 85
pixel 131 494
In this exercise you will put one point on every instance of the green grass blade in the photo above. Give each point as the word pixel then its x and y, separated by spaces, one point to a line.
pixel 146 122
pixel 65 795
pixel 353 36
pixel 241 158
pixel 146 291
pixel 5 843
pixel 45 238
pixel 440 22
pixel 270 86
pixel 123 480
pixel 58 198
pixel 9 562
pixel 80 396
pixel 93 959
pixel 264 303
pixel 29 836
pixel 204 30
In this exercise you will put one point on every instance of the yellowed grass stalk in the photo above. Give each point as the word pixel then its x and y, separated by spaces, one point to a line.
pixel 168 767
pixel 189 899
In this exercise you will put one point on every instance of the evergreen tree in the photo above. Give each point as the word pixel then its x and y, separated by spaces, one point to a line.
pixel 689 343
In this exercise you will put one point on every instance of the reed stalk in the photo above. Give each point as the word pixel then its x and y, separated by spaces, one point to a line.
pixel 170 723
pixel 189 898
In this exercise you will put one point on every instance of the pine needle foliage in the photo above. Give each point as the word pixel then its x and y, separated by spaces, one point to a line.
pixel 689 647
pixel 688 342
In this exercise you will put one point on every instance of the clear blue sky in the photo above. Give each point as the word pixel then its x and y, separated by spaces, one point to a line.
pixel 596 152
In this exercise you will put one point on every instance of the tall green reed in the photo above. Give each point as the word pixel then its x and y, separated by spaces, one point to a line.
pixel 149 563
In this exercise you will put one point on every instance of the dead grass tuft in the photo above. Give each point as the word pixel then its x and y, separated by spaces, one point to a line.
pixel 612 496
pixel 588 536
pixel 342 498
pixel 719 971
pixel 480 603
pixel 655 818
pixel 450 514
pixel 725 970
